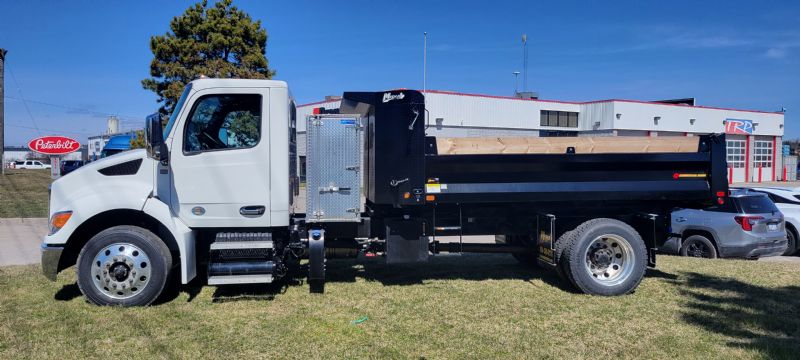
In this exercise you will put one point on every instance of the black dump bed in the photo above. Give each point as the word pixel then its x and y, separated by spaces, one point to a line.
pixel 684 177
pixel 403 167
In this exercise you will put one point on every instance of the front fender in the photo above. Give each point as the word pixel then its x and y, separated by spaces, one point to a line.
pixel 87 192
pixel 184 236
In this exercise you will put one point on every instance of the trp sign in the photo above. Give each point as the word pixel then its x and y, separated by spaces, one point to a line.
pixel 54 145
pixel 739 127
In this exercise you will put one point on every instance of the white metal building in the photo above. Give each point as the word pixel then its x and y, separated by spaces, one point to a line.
pixel 753 136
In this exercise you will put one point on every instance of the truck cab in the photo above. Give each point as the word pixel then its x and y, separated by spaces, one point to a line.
pixel 222 162
pixel 116 145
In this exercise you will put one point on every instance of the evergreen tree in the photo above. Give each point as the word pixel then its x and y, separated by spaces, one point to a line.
pixel 219 41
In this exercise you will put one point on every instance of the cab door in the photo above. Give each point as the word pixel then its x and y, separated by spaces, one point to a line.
pixel 219 159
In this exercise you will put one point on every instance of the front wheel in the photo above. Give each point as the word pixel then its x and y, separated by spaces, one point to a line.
pixel 605 257
pixel 123 265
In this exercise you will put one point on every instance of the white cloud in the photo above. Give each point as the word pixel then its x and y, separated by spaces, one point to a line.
pixel 770 44
pixel 775 53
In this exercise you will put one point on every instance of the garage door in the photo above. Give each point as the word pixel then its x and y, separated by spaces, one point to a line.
pixel 762 161
pixel 736 160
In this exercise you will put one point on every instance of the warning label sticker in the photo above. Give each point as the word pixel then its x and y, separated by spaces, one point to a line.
pixel 433 188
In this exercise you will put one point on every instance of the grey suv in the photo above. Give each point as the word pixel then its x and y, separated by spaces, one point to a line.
pixel 747 225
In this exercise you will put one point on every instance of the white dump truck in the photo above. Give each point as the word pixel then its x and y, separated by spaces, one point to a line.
pixel 215 195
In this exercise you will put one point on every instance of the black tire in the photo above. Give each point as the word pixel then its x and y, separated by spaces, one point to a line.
pixel 146 245
pixel 561 262
pixel 698 246
pixel 792 242
pixel 528 258
pixel 602 240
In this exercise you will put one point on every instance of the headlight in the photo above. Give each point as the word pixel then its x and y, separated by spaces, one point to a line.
pixel 58 220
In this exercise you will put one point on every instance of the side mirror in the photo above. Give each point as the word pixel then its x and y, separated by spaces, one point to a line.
pixel 156 148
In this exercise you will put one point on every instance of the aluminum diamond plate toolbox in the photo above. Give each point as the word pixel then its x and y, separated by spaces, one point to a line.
pixel 333 168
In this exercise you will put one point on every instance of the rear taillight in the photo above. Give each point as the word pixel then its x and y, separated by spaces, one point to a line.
pixel 747 222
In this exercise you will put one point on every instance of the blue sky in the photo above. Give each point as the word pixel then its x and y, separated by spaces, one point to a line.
pixel 78 61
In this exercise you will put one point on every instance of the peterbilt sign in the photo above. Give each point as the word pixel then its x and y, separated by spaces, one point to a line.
pixel 54 145
pixel 739 126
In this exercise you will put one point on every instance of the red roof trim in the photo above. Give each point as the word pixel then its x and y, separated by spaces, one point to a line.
pixel 571 102
pixel 681 105
pixel 317 103
pixel 500 97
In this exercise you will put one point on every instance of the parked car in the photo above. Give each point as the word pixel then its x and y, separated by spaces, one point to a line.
pixel 788 202
pixel 32 164
pixel 68 166
pixel 748 225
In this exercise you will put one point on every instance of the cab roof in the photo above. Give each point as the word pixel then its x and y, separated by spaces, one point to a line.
pixel 207 83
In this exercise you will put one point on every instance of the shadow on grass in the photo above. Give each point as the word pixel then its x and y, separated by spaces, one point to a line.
pixel 473 267
pixel 753 317
pixel 449 267
pixel 68 292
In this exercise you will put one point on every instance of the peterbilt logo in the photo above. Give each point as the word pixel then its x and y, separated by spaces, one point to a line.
pixel 53 145
pixel 389 97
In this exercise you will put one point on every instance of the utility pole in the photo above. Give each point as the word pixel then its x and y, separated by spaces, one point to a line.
pixel 524 62
pixel 424 61
pixel 2 110
pixel 516 82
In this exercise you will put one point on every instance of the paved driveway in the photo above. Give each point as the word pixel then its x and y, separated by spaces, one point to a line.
pixel 20 239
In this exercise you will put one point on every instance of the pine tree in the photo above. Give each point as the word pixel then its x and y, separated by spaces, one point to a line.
pixel 220 41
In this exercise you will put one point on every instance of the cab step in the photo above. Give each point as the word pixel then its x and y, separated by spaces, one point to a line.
pixel 238 245
pixel 242 236
pixel 228 246
pixel 240 279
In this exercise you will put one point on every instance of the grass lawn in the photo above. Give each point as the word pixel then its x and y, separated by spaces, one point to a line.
pixel 23 193
pixel 453 307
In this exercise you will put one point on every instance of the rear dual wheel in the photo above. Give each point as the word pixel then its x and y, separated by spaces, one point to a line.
pixel 602 257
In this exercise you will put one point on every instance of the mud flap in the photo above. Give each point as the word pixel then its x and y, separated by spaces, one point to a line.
pixel 545 241
pixel 404 241
pixel 316 260
pixel 649 226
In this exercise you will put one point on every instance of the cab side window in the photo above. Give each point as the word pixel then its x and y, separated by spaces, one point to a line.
pixel 223 122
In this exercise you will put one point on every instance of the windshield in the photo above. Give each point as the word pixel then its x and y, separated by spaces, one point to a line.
pixel 756 205
pixel 177 109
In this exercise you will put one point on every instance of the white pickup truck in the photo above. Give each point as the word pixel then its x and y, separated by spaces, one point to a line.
pixel 31 164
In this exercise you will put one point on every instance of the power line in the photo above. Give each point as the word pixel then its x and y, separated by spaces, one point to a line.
pixel 25 103
pixel 74 108
pixel 50 130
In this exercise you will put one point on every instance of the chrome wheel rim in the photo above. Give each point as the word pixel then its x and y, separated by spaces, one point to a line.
pixel 121 270
pixel 609 259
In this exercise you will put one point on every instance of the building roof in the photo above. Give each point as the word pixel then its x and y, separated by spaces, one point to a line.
pixel 567 102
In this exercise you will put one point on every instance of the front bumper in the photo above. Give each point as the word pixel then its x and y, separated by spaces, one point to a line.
pixel 51 256
pixel 757 250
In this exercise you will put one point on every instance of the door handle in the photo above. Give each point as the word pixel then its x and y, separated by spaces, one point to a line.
pixel 252 210
pixel 680 219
